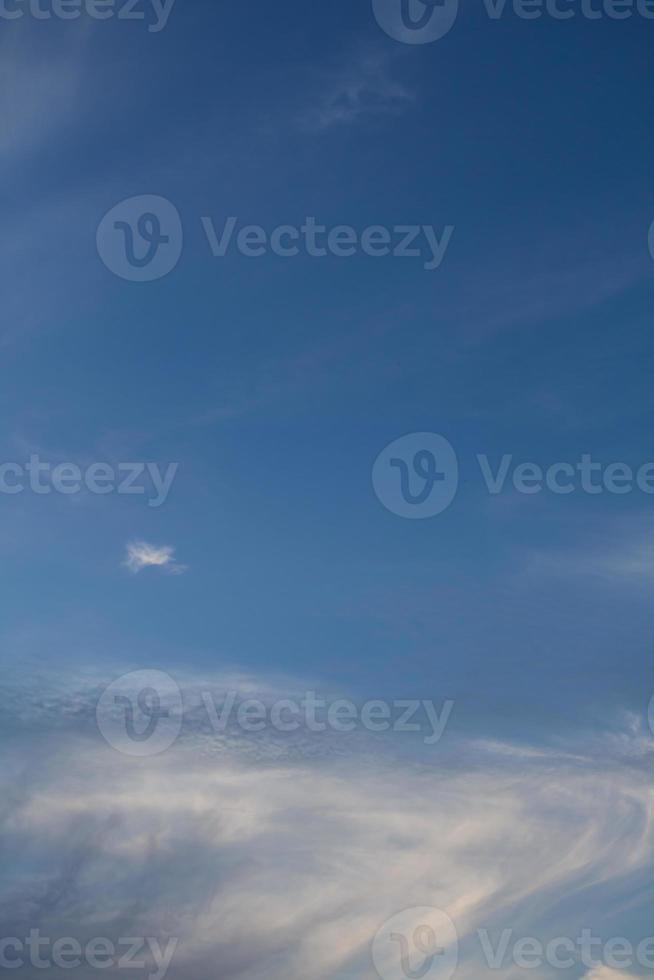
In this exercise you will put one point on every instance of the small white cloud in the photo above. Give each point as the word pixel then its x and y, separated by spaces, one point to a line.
pixel 607 973
pixel 142 555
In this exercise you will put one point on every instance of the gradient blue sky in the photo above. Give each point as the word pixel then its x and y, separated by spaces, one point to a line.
pixel 275 383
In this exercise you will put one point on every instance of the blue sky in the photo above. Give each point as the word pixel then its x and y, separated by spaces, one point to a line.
pixel 274 383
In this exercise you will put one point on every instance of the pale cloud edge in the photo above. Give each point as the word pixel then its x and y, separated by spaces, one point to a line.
pixel 142 555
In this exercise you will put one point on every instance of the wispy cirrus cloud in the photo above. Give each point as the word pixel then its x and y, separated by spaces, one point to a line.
pixel 363 88
pixel 607 973
pixel 269 863
pixel 142 555
pixel 623 556
pixel 39 92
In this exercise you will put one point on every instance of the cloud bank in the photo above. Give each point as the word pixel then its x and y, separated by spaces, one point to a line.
pixel 277 861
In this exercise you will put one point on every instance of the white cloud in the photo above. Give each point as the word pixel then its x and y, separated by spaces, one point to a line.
pixel 284 865
pixel 606 973
pixel 624 555
pixel 142 555
pixel 363 88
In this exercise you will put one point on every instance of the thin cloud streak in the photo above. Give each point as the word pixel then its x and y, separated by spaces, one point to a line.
pixel 362 89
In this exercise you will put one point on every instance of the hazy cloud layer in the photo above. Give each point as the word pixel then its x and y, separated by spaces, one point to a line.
pixel 284 864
